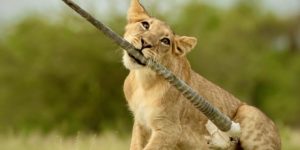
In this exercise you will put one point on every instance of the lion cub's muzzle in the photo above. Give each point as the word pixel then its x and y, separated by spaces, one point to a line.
pixel 145 45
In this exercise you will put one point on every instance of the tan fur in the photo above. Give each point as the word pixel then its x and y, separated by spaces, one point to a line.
pixel 163 118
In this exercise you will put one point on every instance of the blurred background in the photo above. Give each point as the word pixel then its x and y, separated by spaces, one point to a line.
pixel 61 79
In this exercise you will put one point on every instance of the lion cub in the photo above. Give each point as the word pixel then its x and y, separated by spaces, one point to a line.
pixel 163 118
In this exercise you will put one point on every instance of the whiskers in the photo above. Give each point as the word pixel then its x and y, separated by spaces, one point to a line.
pixel 135 40
pixel 150 54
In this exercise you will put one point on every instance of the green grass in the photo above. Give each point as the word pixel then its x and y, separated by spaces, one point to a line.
pixel 36 141
pixel 106 141
pixel 290 139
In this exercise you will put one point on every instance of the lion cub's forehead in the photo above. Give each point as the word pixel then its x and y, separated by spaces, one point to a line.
pixel 161 27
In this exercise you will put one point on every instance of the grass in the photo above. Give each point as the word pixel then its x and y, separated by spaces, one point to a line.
pixel 106 141
pixel 36 141
pixel 290 139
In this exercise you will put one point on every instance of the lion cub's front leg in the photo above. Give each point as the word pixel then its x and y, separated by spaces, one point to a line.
pixel 165 136
pixel 139 137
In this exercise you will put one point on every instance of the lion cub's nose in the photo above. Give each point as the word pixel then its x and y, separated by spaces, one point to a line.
pixel 145 44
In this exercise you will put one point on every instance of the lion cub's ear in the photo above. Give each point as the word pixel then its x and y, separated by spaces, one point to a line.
pixel 136 12
pixel 184 44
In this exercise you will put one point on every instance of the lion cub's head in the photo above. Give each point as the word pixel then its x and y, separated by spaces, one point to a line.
pixel 154 38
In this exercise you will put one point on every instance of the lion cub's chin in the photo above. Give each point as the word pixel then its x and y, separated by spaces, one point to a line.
pixel 130 63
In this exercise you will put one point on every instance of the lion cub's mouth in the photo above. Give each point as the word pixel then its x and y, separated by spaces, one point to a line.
pixel 136 60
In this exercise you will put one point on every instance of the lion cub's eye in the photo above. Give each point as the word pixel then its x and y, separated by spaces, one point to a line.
pixel 166 41
pixel 146 25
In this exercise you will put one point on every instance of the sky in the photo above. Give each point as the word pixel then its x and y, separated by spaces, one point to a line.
pixel 13 10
